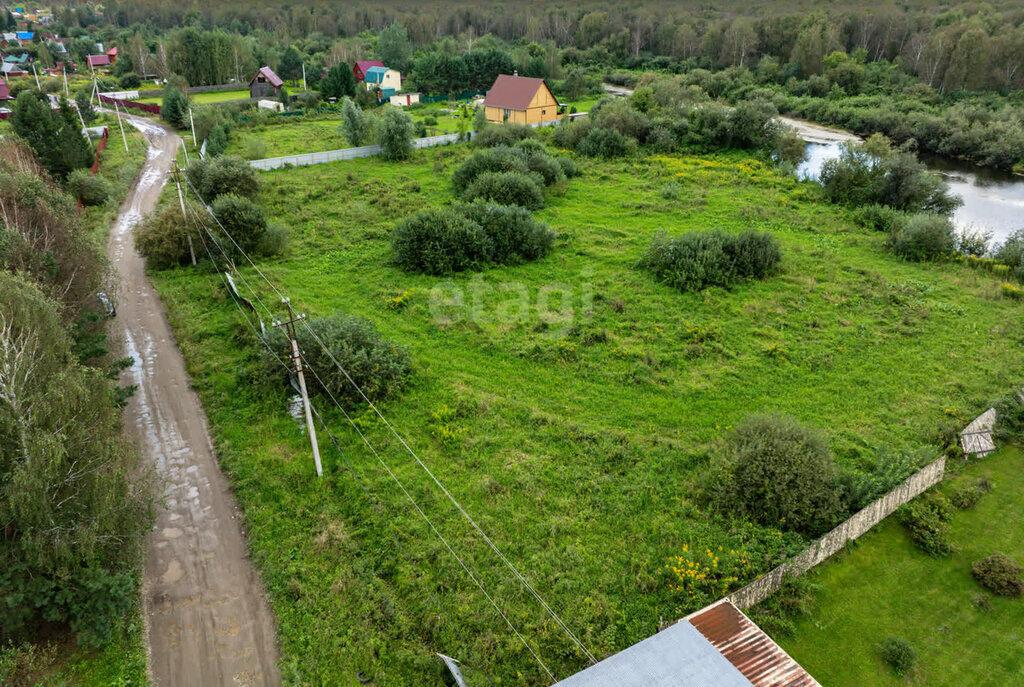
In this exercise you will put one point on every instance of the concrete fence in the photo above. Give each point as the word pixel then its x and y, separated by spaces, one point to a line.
pixel 834 541
pixel 344 154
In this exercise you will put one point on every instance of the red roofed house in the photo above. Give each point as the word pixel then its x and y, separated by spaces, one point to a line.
pixel 520 99
pixel 98 61
pixel 4 93
pixel 359 68
pixel 112 55
pixel 265 83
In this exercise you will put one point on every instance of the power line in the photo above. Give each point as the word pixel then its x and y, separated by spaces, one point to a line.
pixel 409 449
pixel 344 458
pixel 363 487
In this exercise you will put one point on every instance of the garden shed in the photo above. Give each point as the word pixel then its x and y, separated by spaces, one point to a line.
pixel 265 83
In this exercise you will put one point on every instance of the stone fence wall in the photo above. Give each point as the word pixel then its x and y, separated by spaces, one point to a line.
pixel 834 541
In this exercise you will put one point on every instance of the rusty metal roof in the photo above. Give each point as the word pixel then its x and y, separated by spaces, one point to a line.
pixel 747 647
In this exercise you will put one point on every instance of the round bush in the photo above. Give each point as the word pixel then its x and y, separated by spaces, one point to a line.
pixel 755 254
pixel 513 233
pixel 780 474
pixel 379 367
pixel 215 176
pixel 925 237
pixel 699 259
pixel 506 188
pixel 89 188
pixel 162 237
pixel 242 219
pixel 569 167
pixel 899 655
pixel 503 135
pixel 439 241
pixel 999 574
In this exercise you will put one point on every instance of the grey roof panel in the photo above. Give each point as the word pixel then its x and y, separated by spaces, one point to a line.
pixel 678 656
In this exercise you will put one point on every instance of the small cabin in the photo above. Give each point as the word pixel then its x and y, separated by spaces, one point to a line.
pixel 360 67
pixel 521 100
pixel 383 78
pixel 265 83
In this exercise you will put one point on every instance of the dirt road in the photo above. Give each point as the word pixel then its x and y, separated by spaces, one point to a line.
pixel 207 617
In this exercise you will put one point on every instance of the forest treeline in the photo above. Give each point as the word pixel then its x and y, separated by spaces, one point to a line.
pixel 949 47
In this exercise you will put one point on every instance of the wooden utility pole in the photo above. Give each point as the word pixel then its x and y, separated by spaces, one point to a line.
pixel 36 74
pixel 184 216
pixel 120 124
pixel 303 76
pixel 297 358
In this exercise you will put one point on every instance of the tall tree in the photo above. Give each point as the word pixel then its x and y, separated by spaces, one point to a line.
pixel 290 64
pixel 338 82
pixel 394 47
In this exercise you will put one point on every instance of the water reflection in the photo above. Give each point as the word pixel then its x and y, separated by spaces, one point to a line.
pixel 993 201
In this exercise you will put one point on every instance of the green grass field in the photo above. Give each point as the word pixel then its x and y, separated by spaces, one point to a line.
pixel 886 587
pixel 575 438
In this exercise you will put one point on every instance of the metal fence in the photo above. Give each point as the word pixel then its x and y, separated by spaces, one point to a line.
pixel 345 153
pixel 152 109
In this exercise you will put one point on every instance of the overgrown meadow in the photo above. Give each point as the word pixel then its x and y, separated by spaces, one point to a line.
pixel 571 405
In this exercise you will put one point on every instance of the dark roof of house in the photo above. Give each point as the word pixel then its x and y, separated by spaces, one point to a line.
pixel 513 91
pixel 366 64
pixel 269 75
pixel 98 60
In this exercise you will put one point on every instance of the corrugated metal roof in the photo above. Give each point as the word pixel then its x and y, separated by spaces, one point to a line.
pixel 678 656
pixel 747 647
pixel 268 73
pixel 513 92
pixel 376 74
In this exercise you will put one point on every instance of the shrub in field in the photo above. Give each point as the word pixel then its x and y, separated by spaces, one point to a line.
pixel 89 188
pixel 999 574
pixel 354 122
pixel 466 236
pixel 711 258
pixel 514 235
pixel 880 218
pixel 439 241
pixel 569 167
pixel 506 188
pixel 506 134
pixel 162 237
pixel 380 368
pixel 779 473
pixel 396 134
pixel 606 143
pixel 242 219
pixel 927 522
pixel 215 176
pixel 925 237
pixel 1011 253
pixel 525 157
pixel 273 241
pixel 966 497
pixel 898 655
pixel 670 191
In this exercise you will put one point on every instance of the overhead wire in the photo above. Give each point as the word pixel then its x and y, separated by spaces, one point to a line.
pixel 522 579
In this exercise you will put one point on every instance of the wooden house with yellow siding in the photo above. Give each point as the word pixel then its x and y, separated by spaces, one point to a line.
pixel 520 99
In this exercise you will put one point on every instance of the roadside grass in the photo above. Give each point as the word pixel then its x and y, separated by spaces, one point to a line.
pixel 120 168
pixel 885 586
pixel 571 414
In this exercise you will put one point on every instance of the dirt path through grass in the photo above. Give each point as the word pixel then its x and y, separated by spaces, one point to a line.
pixel 207 617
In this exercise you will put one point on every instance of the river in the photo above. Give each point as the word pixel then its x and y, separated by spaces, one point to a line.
pixel 993 200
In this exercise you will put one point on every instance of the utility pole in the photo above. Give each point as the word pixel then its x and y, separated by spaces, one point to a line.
pixel 181 200
pixel 64 73
pixel 303 76
pixel 120 124
pixel 36 74
pixel 290 328
pixel 191 121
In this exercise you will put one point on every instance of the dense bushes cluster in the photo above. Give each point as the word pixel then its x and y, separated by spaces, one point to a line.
pixel 468 236
pixel 377 366
pixel 91 189
pixel 999 574
pixel 162 237
pixel 699 259
pixel 510 174
pixel 212 177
